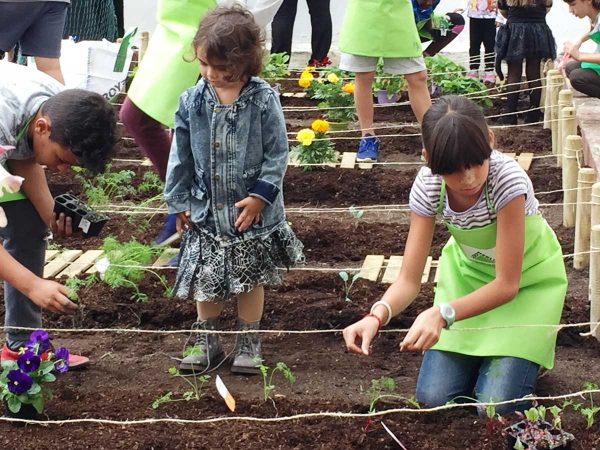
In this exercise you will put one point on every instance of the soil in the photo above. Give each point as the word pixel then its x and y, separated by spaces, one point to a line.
pixel 129 369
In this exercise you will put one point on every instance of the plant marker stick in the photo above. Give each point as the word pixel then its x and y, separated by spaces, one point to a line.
pixel 224 392
pixel 393 436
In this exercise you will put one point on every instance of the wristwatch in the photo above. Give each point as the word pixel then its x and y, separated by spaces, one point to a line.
pixel 448 314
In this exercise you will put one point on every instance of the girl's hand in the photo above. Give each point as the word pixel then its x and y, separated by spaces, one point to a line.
pixel 361 333
pixel 182 221
pixel 572 49
pixel 425 331
pixel 251 208
pixel 51 296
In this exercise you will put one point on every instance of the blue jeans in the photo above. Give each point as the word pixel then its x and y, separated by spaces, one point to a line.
pixel 444 376
pixel 24 239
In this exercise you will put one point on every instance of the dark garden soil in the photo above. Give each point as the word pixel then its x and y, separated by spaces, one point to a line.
pixel 129 369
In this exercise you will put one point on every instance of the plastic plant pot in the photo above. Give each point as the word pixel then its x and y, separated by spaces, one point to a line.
pixel 538 435
pixel 85 218
pixel 383 97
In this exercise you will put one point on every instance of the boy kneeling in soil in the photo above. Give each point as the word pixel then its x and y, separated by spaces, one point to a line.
pixel 41 123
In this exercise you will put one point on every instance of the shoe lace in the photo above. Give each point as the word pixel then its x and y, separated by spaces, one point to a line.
pixel 246 344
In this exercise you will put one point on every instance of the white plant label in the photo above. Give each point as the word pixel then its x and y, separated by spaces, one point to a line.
pixel 224 392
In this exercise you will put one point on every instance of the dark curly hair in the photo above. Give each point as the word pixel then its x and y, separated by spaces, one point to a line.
pixel 84 123
pixel 595 3
pixel 231 35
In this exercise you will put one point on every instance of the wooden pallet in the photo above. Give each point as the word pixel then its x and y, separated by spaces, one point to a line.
pixel 378 268
pixel 524 159
pixel 349 162
pixel 71 263
pixel 294 94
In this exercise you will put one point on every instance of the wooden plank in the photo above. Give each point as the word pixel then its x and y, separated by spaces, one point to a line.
pixel 60 262
pixel 427 270
pixel 146 162
pixel 437 272
pixel 365 165
pixel 50 255
pixel 371 267
pixel 392 270
pixel 300 94
pixel 287 94
pixel 348 160
pixel 511 155
pixel 81 264
pixel 524 160
pixel 165 257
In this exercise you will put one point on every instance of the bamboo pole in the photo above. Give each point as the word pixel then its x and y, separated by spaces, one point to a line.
pixel 547 103
pixel 565 99
pixel 595 280
pixel 556 84
pixel 573 149
pixel 587 177
pixel 144 38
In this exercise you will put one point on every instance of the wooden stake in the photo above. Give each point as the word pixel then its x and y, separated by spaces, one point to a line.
pixel 595 212
pixel 565 99
pixel 595 280
pixel 547 103
pixel 573 148
pixel 568 127
pixel 555 86
pixel 587 177
pixel 144 39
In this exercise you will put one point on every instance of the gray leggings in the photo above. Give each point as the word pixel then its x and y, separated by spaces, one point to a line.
pixel 586 81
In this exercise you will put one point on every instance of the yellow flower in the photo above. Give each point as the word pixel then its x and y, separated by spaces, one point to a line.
pixel 320 126
pixel 348 88
pixel 305 79
pixel 309 69
pixel 305 136
pixel 332 78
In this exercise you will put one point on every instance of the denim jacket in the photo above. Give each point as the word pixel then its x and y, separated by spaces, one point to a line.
pixel 222 154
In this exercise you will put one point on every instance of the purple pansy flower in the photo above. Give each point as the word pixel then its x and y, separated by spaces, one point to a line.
pixel 18 382
pixel 62 359
pixel 28 361
pixel 39 340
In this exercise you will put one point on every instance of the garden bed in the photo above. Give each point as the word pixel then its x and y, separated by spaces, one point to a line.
pixel 129 370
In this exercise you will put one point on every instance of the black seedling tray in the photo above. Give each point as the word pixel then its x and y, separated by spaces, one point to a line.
pixel 84 217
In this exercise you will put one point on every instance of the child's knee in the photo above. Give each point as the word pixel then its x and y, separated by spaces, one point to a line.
pixel 432 395
pixel 364 77
pixel 417 79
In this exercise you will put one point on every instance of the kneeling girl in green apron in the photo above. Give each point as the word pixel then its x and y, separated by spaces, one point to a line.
pixel 502 279
pixel 584 68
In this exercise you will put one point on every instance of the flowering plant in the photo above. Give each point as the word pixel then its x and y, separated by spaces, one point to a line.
pixel 315 146
pixel 23 380
pixel 335 93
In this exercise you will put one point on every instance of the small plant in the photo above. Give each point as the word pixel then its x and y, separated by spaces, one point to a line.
pixel 315 146
pixel 105 187
pixel 196 385
pixel 151 182
pixel 268 374
pixel 124 265
pixel 24 381
pixel 380 388
pixel 392 84
pixel 357 214
pixel 336 95
pixel 348 283
pixel 533 431
pixel 276 67
pixel 590 413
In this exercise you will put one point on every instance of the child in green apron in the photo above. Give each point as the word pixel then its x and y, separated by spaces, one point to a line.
pixel 584 68
pixel 502 280
pixel 382 29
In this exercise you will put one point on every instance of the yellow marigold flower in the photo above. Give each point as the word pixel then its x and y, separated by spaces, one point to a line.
pixel 349 88
pixel 333 78
pixel 305 79
pixel 310 69
pixel 320 126
pixel 306 136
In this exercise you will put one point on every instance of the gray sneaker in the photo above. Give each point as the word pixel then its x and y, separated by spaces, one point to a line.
pixel 208 352
pixel 247 356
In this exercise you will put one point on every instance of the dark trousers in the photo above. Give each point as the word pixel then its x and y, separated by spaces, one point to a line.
pixel 586 81
pixel 320 21
pixel 482 31
pixel 457 23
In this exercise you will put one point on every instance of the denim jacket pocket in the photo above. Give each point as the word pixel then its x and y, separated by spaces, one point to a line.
pixel 250 175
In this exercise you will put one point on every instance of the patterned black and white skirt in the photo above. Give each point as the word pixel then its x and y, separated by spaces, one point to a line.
pixel 210 272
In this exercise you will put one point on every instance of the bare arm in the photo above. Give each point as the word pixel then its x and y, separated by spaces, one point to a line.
pixel 35 186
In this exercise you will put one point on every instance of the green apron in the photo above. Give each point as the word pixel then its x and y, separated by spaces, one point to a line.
pixel 20 195
pixel 594 36
pixel 164 74
pixel 468 262
pixel 380 28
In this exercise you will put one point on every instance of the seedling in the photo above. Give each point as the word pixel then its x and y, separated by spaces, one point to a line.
pixel 590 413
pixel 533 431
pixel 380 388
pixel 357 214
pixel 194 393
pixel 105 187
pixel 268 374
pixel 276 67
pixel 347 283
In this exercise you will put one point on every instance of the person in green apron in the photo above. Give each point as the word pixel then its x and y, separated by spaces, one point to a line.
pixel 502 280
pixel 584 68
pixel 385 29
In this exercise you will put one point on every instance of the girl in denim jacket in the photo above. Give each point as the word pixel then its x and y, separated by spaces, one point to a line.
pixel 224 183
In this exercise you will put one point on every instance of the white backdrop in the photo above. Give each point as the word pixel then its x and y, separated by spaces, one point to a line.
pixel 564 25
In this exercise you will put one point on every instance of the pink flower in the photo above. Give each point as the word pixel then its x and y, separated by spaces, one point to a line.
pixel 9 183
